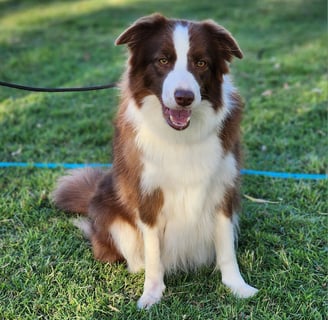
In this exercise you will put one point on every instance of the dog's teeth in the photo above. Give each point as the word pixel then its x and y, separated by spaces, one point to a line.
pixel 179 123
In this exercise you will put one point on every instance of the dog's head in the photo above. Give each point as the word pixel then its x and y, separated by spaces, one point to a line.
pixel 181 62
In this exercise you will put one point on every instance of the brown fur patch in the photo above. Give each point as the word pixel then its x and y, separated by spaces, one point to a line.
pixel 230 139
pixel 126 161
pixel 230 132
pixel 231 202
pixel 105 251
pixel 150 207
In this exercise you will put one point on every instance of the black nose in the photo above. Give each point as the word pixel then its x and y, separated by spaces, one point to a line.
pixel 184 98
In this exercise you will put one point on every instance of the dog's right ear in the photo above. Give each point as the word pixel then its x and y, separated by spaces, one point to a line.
pixel 141 30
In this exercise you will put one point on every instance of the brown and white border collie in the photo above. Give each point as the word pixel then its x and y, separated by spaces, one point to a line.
pixel 171 197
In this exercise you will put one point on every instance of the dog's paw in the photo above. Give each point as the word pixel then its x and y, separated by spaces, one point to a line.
pixel 147 300
pixel 151 296
pixel 242 290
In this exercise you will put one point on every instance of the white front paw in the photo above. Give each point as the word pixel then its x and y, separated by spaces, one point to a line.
pixel 242 290
pixel 151 296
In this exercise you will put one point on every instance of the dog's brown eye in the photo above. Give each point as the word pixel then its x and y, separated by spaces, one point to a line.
pixel 163 61
pixel 201 64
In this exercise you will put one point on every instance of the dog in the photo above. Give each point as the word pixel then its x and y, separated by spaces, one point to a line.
pixel 171 198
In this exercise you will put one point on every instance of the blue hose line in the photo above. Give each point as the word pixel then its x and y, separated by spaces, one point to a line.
pixel 51 165
pixel 271 174
pixel 285 175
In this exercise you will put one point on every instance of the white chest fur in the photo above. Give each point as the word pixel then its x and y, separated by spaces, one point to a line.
pixel 193 173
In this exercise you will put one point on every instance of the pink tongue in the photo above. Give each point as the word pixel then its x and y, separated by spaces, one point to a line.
pixel 180 116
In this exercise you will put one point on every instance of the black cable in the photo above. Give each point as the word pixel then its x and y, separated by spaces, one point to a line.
pixel 37 89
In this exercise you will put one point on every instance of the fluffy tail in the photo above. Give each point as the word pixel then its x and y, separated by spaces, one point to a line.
pixel 74 191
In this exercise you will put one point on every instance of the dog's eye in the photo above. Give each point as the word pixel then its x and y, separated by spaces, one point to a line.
pixel 163 61
pixel 201 64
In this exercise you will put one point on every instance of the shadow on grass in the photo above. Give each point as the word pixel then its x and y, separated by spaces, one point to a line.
pixel 80 47
pixel 77 49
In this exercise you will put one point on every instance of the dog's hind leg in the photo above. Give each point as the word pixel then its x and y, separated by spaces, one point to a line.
pixel 128 240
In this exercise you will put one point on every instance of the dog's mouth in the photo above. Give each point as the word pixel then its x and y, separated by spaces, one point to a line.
pixel 178 119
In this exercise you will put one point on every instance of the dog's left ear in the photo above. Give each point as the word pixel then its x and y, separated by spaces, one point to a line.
pixel 227 45
pixel 141 30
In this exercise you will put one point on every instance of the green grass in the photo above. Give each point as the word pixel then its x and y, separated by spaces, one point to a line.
pixel 46 267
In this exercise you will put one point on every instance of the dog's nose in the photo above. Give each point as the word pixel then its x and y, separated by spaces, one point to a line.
pixel 184 98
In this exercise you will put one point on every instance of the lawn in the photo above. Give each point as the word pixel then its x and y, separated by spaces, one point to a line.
pixel 46 267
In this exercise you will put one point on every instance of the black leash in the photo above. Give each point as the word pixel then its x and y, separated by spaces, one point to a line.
pixel 37 89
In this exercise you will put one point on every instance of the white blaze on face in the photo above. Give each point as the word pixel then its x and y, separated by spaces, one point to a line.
pixel 180 78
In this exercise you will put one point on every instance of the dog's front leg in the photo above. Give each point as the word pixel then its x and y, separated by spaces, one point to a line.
pixel 154 273
pixel 226 258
